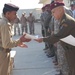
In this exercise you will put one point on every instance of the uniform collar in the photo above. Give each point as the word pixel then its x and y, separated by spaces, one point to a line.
pixel 5 18
pixel 63 19
pixel 7 21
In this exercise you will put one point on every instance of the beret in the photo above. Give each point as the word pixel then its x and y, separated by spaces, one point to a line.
pixel 56 4
pixel 43 7
pixel 47 5
pixel 11 7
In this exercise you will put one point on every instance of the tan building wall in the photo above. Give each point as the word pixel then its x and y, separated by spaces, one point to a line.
pixel 67 3
pixel 44 2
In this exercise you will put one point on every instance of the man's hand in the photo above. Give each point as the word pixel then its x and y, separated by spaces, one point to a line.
pixel 22 45
pixel 23 39
pixel 39 40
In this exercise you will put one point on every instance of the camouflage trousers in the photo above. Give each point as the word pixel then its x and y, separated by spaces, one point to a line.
pixel 16 27
pixel 24 28
pixel 62 61
pixel 31 28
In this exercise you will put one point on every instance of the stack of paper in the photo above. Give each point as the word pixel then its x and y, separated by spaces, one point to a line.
pixel 69 39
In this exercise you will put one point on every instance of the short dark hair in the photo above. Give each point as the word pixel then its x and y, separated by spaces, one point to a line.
pixel 5 10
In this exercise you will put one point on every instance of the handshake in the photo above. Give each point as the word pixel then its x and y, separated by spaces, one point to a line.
pixel 27 38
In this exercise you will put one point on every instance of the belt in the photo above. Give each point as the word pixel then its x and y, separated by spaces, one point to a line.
pixel 6 50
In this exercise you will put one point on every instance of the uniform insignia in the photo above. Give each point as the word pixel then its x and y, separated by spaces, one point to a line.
pixel 65 25
pixel 55 4
pixel 63 21
pixel 9 23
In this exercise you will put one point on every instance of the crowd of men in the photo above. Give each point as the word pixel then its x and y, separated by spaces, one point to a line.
pixel 51 27
pixel 20 24
pixel 57 22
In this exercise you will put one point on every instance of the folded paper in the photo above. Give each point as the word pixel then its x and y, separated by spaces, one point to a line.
pixel 28 36
pixel 69 40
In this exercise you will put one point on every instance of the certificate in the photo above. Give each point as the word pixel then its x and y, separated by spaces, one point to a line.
pixel 69 40
pixel 28 36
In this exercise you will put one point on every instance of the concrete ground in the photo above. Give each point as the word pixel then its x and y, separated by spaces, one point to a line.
pixel 32 60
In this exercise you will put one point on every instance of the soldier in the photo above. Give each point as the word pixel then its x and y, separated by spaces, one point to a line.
pixel 31 20
pixel 42 21
pixel 67 25
pixel 47 25
pixel 62 62
pixel 46 18
pixel 6 42
pixel 73 9
pixel 42 18
pixel 16 25
pixel 73 6
pixel 24 23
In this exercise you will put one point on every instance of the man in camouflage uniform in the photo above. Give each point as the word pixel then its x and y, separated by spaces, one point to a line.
pixel 61 58
pixel 16 25
pixel 24 23
pixel 46 18
pixel 42 21
pixel 6 42
pixel 42 17
pixel 31 20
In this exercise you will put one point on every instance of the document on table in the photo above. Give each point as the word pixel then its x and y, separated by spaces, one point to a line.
pixel 69 40
pixel 31 36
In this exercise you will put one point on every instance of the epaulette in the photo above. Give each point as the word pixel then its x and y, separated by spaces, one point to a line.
pixel 63 23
